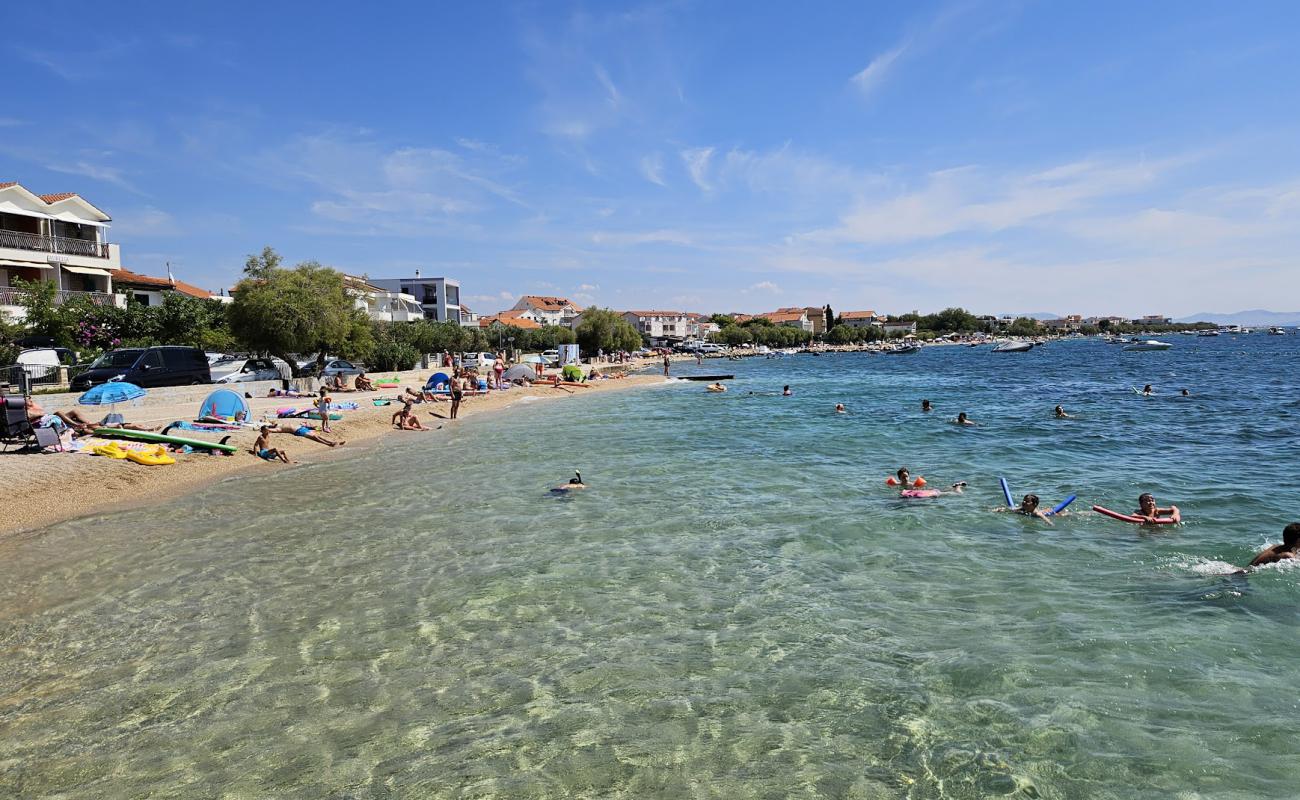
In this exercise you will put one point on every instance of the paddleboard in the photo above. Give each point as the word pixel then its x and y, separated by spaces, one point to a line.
pixel 150 436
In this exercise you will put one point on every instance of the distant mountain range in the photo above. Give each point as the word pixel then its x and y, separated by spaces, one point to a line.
pixel 1256 317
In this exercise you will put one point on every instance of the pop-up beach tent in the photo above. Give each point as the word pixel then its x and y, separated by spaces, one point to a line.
pixel 225 404
pixel 520 371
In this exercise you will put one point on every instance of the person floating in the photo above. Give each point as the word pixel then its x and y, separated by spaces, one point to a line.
pixel 1151 514
pixel 1288 550
pixel 715 387
pixel 839 409
pixel 925 406
pixel 904 479
pixel 1146 391
pixel 1059 413
pixel 1186 393
pixel 574 484
pixel 962 419
pixel 1029 507
pixel 786 391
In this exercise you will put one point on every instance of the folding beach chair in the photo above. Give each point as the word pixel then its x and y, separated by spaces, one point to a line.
pixel 15 428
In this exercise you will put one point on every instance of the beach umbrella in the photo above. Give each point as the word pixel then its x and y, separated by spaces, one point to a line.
pixel 519 371
pixel 110 394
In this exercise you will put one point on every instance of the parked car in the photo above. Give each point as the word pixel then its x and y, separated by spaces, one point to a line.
pixel 711 347
pixel 479 361
pixel 147 367
pixel 240 370
pixel 337 366
pixel 551 358
pixel 42 364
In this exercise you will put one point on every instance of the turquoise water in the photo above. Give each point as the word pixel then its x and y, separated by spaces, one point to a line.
pixel 737 608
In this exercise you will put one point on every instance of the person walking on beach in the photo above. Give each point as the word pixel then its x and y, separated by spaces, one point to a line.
pixel 498 369
pixel 1288 550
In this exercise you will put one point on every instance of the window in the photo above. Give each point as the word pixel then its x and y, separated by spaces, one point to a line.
pixel 152 358
pixel 142 299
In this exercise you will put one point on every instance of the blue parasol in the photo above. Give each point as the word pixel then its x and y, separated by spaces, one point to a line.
pixel 111 393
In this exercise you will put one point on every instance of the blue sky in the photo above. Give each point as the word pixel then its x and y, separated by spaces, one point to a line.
pixel 1024 156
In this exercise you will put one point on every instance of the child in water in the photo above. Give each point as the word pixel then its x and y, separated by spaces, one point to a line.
pixel 574 484
pixel 1288 550
pixel 1029 507
pixel 1150 512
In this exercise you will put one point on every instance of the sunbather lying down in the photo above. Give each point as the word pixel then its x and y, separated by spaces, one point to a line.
pixel 73 420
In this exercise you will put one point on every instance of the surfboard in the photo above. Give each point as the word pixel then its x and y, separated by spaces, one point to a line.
pixel 150 436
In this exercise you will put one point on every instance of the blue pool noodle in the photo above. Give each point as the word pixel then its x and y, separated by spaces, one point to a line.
pixel 1061 505
pixel 1006 492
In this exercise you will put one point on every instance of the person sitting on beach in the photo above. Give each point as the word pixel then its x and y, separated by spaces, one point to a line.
pixel 574 484
pixel 363 384
pixel 1029 507
pixel 262 447
pixel 340 384
pixel 715 387
pixel 1151 513
pixel 306 432
pixel 1059 413
pixel 405 420
pixel 286 393
pixel 925 406
pixel 962 419
pixel 839 409
pixel 1146 391
pixel 786 391
pixel 1288 550
pixel 71 419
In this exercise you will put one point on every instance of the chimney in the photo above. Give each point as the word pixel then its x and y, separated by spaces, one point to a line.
pixel 417 273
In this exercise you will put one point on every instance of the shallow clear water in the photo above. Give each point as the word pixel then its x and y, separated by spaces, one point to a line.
pixel 737 608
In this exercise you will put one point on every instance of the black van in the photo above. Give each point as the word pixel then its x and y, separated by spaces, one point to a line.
pixel 147 366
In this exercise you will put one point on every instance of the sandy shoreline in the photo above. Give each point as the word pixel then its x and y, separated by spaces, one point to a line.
pixel 49 488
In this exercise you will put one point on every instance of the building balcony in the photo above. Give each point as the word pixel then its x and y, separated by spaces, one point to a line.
pixel 14 297
pixel 59 245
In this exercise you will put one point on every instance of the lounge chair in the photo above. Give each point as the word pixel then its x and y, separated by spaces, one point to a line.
pixel 16 428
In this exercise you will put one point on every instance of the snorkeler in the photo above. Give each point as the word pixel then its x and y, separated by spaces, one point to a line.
pixel 1289 549
pixel 574 483
pixel 1151 513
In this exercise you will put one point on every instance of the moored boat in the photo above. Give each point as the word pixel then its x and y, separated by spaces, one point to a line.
pixel 1014 347
pixel 1149 344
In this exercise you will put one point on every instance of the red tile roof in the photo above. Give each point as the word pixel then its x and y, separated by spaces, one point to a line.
pixel 858 315
pixel 656 313
pixel 511 321
pixel 7 184
pixel 785 316
pixel 54 198
pixel 125 277
pixel 547 303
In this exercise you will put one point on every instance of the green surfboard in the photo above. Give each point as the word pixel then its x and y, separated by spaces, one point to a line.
pixel 150 436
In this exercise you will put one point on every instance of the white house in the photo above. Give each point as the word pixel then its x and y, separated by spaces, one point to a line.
pixel 382 304
pixel 659 324
pixel 55 238
pixel 439 298
pixel 149 291
pixel 860 319
pixel 550 310
pixel 791 318
pixel 904 328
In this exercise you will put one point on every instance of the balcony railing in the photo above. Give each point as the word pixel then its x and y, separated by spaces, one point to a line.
pixel 53 244
pixel 14 297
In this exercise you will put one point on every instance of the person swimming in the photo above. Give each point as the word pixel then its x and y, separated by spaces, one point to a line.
pixel 839 408
pixel 1186 393
pixel 1059 413
pixel 1287 551
pixel 574 483
pixel 1150 512
pixel 1146 391
pixel 925 406
pixel 786 392
pixel 715 387
pixel 1029 507
pixel 962 419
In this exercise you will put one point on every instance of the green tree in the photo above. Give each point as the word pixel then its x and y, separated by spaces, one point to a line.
pixel 603 329
pixel 830 317
pixel 1023 326
pixel 733 335
pixel 722 320
pixel 42 317
pixel 301 310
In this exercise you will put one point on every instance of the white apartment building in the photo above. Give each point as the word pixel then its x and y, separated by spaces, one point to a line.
pixel 659 324
pixel 860 319
pixel 382 304
pixel 55 238
pixel 550 310
pixel 439 298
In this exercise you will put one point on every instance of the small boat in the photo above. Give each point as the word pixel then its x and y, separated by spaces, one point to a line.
pixel 1149 344
pixel 901 350
pixel 1014 347
pixel 1277 331
pixel 1210 332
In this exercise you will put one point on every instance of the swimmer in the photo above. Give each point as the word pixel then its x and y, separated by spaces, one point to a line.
pixel 963 420
pixel 1146 391
pixel 1060 413
pixel 1029 507
pixel 1288 550
pixel 715 387
pixel 957 488
pixel 1186 393
pixel 925 406
pixel 1150 512
pixel 904 479
pixel 786 392
pixel 839 409
pixel 574 484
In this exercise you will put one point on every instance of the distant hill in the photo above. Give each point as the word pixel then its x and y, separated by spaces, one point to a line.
pixel 1256 317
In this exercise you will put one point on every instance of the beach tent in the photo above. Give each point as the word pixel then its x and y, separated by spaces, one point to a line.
pixel 571 373
pixel 225 404
pixel 520 371
pixel 437 379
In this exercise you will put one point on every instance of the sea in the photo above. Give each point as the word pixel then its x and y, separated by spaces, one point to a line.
pixel 736 607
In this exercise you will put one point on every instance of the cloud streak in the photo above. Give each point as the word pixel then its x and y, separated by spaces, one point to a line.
pixel 872 76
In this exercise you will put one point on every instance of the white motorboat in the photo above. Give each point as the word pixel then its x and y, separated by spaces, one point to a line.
pixel 1014 347
pixel 1149 344
pixel 1277 331
pixel 1210 332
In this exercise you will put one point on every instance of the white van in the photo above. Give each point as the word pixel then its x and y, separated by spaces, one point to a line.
pixel 479 361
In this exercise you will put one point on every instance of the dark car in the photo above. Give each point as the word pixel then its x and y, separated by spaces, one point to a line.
pixel 147 367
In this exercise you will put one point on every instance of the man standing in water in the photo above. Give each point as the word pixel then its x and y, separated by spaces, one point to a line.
pixel 667 361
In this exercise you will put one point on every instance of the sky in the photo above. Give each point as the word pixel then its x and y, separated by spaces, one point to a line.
pixel 1007 157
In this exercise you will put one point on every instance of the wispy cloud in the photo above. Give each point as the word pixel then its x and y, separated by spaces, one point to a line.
pixel 99 172
pixel 145 222
pixel 652 168
pixel 696 160
pixel 763 286
pixel 664 236
pixel 873 75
